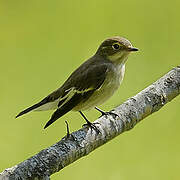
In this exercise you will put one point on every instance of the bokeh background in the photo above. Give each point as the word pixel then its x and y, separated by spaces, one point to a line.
pixel 42 42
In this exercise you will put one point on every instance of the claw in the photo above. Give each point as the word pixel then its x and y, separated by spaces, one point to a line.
pixel 106 113
pixel 112 114
pixel 89 124
pixel 92 126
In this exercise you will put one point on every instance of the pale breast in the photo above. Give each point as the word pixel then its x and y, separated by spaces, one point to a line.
pixel 110 85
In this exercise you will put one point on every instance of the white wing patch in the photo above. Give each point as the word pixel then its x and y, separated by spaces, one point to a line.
pixel 71 93
pixel 68 96
pixel 48 106
pixel 54 104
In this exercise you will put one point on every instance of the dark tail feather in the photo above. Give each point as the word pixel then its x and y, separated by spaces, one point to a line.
pixel 57 114
pixel 64 109
pixel 44 101
pixel 28 109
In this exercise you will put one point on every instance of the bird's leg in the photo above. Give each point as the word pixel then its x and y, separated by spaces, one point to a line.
pixel 68 135
pixel 106 113
pixel 67 127
pixel 91 125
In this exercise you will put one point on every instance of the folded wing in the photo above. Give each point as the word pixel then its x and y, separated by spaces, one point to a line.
pixel 84 85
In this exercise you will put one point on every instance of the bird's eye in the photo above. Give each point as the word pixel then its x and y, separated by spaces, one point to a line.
pixel 116 46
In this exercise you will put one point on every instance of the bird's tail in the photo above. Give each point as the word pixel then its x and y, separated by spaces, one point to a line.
pixel 66 107
pixel 35 106
pixel 57 114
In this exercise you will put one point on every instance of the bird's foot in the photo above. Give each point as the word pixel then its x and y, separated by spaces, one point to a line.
pixel 68 135
pixel 89 124
pixel 92 126
pixel 103 113
pixel 114 115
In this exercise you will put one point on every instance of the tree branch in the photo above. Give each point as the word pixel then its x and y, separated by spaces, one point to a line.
pixel 85 140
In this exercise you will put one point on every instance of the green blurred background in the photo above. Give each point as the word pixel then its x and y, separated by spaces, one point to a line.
pixel 42 42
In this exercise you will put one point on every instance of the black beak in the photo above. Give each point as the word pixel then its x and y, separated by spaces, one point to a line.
pixel 133 49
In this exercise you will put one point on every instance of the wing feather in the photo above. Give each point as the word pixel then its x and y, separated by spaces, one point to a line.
pixel 69 105
pixel 84 86
pixel 77 88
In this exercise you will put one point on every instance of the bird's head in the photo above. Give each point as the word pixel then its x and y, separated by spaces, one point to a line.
pixel 116 49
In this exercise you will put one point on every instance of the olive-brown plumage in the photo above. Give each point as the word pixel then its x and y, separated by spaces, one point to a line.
pixel 92 83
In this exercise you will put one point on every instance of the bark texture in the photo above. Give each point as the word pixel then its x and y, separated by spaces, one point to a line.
pixel 85 140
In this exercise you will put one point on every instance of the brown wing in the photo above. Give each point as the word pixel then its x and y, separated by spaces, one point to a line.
pixel 87 78
pixel 83 85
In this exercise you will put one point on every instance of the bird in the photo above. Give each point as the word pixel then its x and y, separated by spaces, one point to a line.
pixel 91 84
